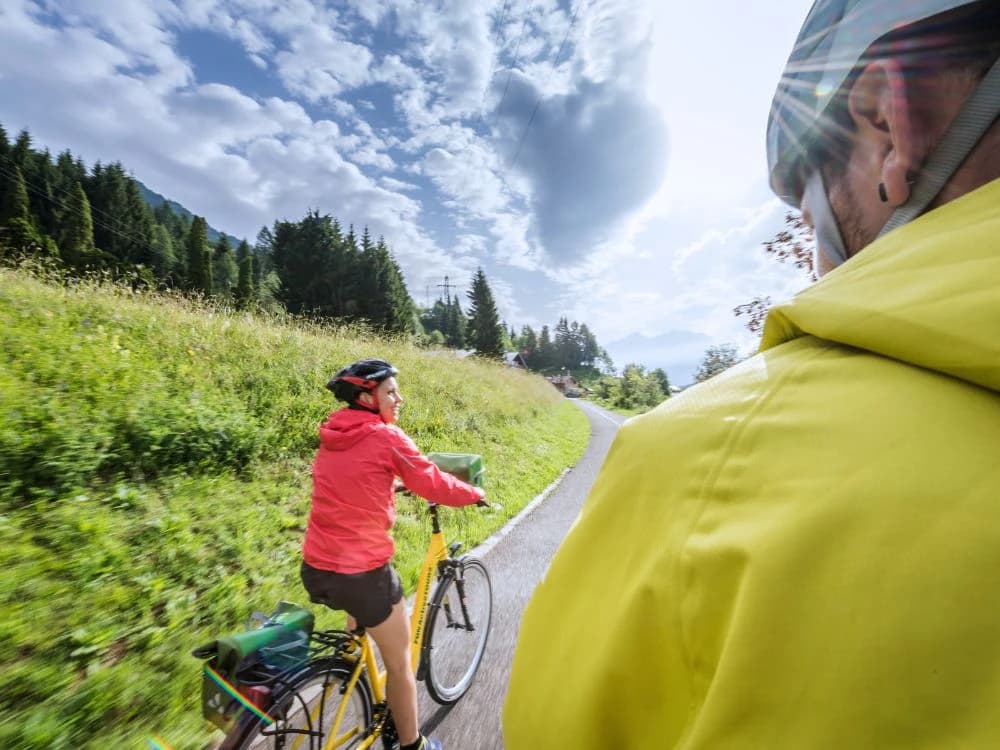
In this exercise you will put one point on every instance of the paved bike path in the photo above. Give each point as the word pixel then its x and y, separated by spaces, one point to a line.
pixel 516 564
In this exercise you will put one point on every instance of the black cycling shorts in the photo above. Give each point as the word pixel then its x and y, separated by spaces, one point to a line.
pixel 367 597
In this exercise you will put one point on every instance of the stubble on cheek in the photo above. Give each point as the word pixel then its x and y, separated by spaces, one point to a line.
pixel 847 207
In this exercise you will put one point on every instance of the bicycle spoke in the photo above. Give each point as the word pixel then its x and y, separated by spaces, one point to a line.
pixel 457 632
pixel 313 715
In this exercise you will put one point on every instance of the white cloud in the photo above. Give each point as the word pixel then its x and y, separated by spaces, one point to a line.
pixel 468 179
pixel 321 64
pixel 398 185
pixel 378 89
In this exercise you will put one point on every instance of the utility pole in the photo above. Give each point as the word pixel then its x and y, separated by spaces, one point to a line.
pixel 447 288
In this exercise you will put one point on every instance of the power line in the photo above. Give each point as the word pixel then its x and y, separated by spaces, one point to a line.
pixel 510 72
pixel 538 101
pixel 496 58
pixel 137 240
pixel 496 39
pixel 447 287
pixel 44 194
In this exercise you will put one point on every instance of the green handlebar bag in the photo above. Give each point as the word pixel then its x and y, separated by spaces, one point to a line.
pixel 254 657
pixel 466 466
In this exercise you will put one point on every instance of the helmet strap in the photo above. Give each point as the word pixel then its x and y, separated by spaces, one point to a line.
pixel 977 115
pixel 373 407
pixel 829 241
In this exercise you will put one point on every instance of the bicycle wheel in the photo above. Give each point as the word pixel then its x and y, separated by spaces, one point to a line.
pixel 458 624
pixel 304 712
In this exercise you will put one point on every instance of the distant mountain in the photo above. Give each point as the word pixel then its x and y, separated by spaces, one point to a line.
pixel 154 199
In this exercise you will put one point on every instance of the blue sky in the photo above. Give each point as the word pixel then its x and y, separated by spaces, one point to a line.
pixel 601 160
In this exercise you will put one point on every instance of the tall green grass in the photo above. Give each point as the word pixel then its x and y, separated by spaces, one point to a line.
pixel 154 487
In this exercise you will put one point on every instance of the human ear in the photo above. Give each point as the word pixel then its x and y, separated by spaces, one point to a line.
pixel 881 107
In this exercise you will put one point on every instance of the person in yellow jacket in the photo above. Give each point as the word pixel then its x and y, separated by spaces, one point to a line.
pixel 804 551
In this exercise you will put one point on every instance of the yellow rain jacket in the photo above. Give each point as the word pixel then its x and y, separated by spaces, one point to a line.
pixel 804 551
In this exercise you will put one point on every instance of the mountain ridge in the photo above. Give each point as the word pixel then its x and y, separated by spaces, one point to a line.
pixel 155 200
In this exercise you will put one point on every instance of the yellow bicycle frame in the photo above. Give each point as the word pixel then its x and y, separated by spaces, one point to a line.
pixel 436 552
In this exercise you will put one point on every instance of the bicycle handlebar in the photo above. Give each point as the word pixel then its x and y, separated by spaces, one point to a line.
pixel 480 503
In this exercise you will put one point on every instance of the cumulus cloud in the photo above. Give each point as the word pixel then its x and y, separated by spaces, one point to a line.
pixel 453 42
pixel 321 64
pixel 517 136
pixel 592 157
pixel 240 161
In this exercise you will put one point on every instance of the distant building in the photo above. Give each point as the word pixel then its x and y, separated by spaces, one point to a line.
pixel 565 384
pixel 515 359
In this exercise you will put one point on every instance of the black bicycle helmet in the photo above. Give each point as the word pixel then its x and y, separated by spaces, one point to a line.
pixel 363 375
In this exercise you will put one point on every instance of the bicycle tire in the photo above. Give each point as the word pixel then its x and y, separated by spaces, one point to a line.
pixel 452 653
pixel 302 692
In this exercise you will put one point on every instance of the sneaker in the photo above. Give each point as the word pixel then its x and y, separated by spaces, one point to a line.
pixel 428 743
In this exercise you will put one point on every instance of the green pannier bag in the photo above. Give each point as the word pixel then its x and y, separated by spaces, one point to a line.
pixel 247 662
pixel 466 466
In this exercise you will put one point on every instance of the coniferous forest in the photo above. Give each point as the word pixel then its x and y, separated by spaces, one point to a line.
pixel 97 220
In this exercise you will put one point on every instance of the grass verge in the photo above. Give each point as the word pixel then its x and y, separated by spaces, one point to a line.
pixel 154 486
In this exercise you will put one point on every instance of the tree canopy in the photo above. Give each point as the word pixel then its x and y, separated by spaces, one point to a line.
pixel 99 220
pixel 484 333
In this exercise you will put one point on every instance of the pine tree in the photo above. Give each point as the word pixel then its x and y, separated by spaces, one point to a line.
pixel 15 204
pixel 455 331
pixel 590 350
pixel 544 355
pixel 21 151
pixel 206 260
pixel 484 333
pixel 77 246
pixel 68 173
pixel 372 280
pixel 562 354
pixel 40 174
pixel 6 163
pixel 198 267
pixel 436 318
pixel 163 258
pixel 224 270
pixel 18 235
pixel 262 256
pixel 136 224
pixel 108 195
pixel 302 255
pixel 401 310
pixel 244 285
pixel 527 342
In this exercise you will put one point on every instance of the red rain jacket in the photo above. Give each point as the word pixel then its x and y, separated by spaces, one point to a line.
pixel 353 504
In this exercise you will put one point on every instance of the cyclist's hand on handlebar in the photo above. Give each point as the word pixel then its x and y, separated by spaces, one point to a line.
pixel 484 503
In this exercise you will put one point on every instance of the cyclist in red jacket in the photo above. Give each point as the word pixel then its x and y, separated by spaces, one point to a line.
pixel 348 550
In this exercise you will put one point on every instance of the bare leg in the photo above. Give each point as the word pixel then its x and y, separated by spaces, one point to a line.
pixel 393 639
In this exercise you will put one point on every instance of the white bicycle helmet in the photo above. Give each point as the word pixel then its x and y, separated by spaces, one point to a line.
pixel 833 40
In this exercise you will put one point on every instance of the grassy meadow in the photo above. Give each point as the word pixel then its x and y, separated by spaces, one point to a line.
pixel 154 487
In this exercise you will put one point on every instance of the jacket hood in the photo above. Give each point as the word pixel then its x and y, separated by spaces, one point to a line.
pixel 927 294
pixel 347 427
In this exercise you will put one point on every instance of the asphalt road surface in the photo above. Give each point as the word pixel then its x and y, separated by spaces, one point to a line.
pixel 516 563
